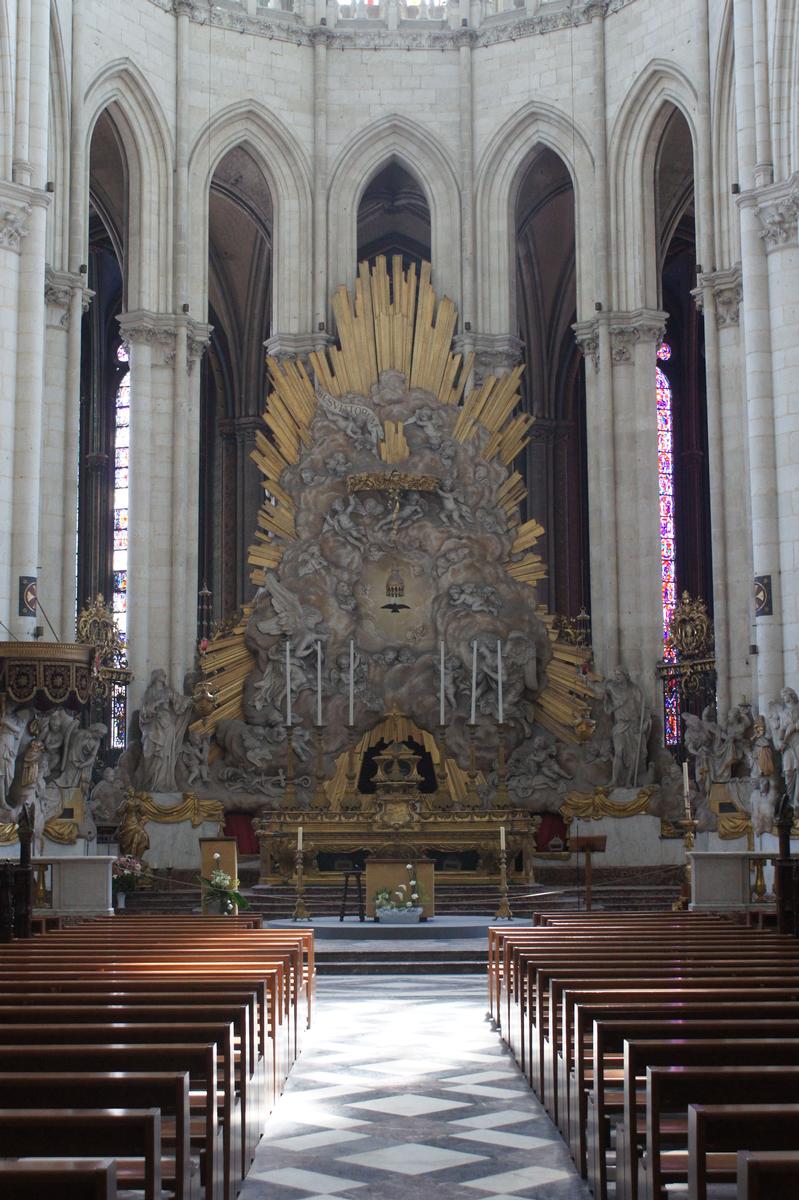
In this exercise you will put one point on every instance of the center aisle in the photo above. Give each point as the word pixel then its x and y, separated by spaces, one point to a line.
pixel 403 1086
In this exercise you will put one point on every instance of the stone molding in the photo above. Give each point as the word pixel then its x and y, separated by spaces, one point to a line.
pixel 296 345
pixel 777 209
pixel 16 206
pixel 727 288
pixel 628 329
pixel 586 335
pixel 494 353
pixel 58 289
pixel 353 34
pixel 159 330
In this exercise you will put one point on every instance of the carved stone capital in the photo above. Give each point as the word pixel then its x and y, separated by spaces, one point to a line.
pixel 13 225
pixel 777 209
pixel 586 335
pixel 727 287
pixel 296 345
pixel 58 290
pixel 321 35
pixel 494 353
pixel 151 329
pixel 184 8
pixel 198 337
pixel 630 328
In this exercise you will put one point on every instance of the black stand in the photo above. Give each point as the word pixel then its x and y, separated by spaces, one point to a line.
pixel 357 875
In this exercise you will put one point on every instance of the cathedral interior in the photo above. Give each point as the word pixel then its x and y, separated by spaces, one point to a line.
pixel 399 464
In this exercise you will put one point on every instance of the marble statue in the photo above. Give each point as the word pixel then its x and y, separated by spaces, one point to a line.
pixel 132 835
pixel 350 414
pixel 536 780
pixel 194 758
pixel 339 520
pixel 785 735
pixel 57 728
pixel 13 722
pixel 107 797
pixel 631 722
pixel 163 718
pixel 246 746
pixel 454 509
pixel 302 624
pixel 84 745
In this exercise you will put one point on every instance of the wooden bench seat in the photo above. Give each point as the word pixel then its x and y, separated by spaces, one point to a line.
pixel 716 1132
pixel 131 1136
pixel 669 1093
pixel 613 1095
pixel 766 1174
pixel 66 1179
pixel 207 1103
pixel 168 1091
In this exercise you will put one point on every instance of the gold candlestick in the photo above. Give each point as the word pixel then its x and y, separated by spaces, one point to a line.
pixel 503 912
pixel 352 796
pixel 441 772
pixel 501 797
pixel 689 826
pixel 288 790
pixel 320 799
pixel 472 772
pixel 301 912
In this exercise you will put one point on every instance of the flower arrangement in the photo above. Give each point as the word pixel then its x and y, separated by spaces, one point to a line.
pixel 222 890
pixel 125 872
pixel 405 897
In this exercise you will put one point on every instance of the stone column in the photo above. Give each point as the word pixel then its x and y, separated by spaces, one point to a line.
pixel 465 41
pixel 65 298
pixel 494 353
pixel 634 337
pixel 732 573
pixel 15 214
pixel 320 38
pixel 777 211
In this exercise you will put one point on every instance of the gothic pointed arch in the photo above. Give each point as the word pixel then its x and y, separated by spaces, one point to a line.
pixel 123 90
pixel 58 148
pixel 284 165
pixel 397 139
pixel 633 142
pixel 499 177
pixel 725 146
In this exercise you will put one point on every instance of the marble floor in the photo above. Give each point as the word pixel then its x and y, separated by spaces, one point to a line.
pixel 404 1091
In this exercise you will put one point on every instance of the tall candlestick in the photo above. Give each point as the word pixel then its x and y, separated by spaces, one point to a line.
pixel 352 683
pixel 288 683
pixel 474 683
pixel 499 682
pixel 299 837
pixel 502 837
pixel 686 788
pixel 318 683
pixel 441 689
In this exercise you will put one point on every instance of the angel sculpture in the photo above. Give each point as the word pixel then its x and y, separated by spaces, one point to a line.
pixel 301 624
pixel 355 418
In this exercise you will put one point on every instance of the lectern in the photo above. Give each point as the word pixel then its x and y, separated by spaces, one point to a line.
pixel 594 844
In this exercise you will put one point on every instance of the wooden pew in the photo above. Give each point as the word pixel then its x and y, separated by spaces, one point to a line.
pixel 65 1010
pixel 615 1097
pixel 167 1091
pixel 716 1132
pixel 639 1056
pixel 764 1174
pixel 200 1061
pixel 63 1179
pixel 671 1090
pixel 126 1134
pixel 151 1034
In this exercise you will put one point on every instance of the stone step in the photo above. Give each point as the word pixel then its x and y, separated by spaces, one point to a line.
pixel 357 965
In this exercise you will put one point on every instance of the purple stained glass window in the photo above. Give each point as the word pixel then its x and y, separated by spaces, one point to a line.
pixel 668 545
pixel 121 451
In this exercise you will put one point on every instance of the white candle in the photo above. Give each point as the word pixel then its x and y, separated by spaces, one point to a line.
pixel 502 838
pixel 318 683
pixel 288 683
pixel 299 837
pixel 686 788
pixel 441 689
pixel 474 683
pixel 352 683
pixel 500 711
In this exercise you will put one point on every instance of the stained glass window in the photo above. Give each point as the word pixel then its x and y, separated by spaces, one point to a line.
pixel 121 449
pixel 668 544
